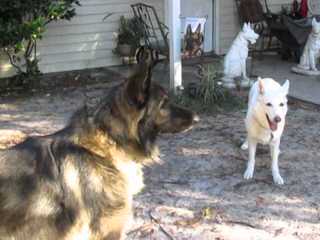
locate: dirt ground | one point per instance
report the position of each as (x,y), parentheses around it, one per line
(198,191)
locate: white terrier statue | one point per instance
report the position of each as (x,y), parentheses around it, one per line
(308,59)
(235,60)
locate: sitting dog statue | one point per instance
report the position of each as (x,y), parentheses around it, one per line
(308,59)
(235,59)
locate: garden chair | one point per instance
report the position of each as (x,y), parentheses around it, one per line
(251,11)
(155,32)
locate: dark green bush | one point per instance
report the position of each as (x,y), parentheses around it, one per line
(23,22)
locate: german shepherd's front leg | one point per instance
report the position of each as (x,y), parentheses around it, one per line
(114,227)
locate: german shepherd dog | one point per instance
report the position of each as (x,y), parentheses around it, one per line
(78,183)
(193,42)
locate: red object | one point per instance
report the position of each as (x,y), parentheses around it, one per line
(304,8)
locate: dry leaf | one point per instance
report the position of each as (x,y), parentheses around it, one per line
(208,213)
(278,232)
(190,222)
(260,201)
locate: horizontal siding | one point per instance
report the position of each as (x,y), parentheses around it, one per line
(76,38)
(275,5)
(87,40)
(81,64)
(76,47)
(67,30)
(78,56)
(229,20)
(229,24)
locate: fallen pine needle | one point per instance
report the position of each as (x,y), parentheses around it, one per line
(155,220)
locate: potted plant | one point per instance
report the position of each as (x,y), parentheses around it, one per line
(128,37)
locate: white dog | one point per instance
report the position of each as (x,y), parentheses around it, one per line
(310,53)
(267,109)
(235,59)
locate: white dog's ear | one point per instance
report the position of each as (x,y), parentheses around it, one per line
(261,87)
(285,87)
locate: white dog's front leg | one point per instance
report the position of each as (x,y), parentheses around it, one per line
(312,60)
(244,68)
(274,150)
(245,81)
(252,154)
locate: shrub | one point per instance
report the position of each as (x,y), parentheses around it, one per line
(210,90)
(207,94)
(130,32)
(22,23)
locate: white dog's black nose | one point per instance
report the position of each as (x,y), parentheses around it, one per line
(277,119)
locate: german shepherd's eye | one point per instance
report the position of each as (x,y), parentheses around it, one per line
(281,104)
(269,104)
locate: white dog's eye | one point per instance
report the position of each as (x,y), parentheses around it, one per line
(281,104)
(269,104)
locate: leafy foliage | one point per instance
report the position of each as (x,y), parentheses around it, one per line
(210,89)
(208,94)
(22,23)
(130,32)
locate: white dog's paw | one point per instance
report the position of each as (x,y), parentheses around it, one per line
(277,179)
(244,145)
(248,174)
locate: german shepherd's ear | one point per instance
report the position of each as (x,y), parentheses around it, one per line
(138,86)
(189,30)
(198,30)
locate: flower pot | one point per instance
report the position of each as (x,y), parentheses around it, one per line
(125,50)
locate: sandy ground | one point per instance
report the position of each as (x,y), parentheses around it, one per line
(198,191)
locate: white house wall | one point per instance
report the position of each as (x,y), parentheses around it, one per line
(228,24)
(86,41)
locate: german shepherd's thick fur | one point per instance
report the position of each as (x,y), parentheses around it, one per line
(79,182)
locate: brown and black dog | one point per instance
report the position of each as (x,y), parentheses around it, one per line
(193,42)
(79,182)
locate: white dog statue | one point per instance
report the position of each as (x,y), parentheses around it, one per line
(265,121)
(310,55)
(235,59)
